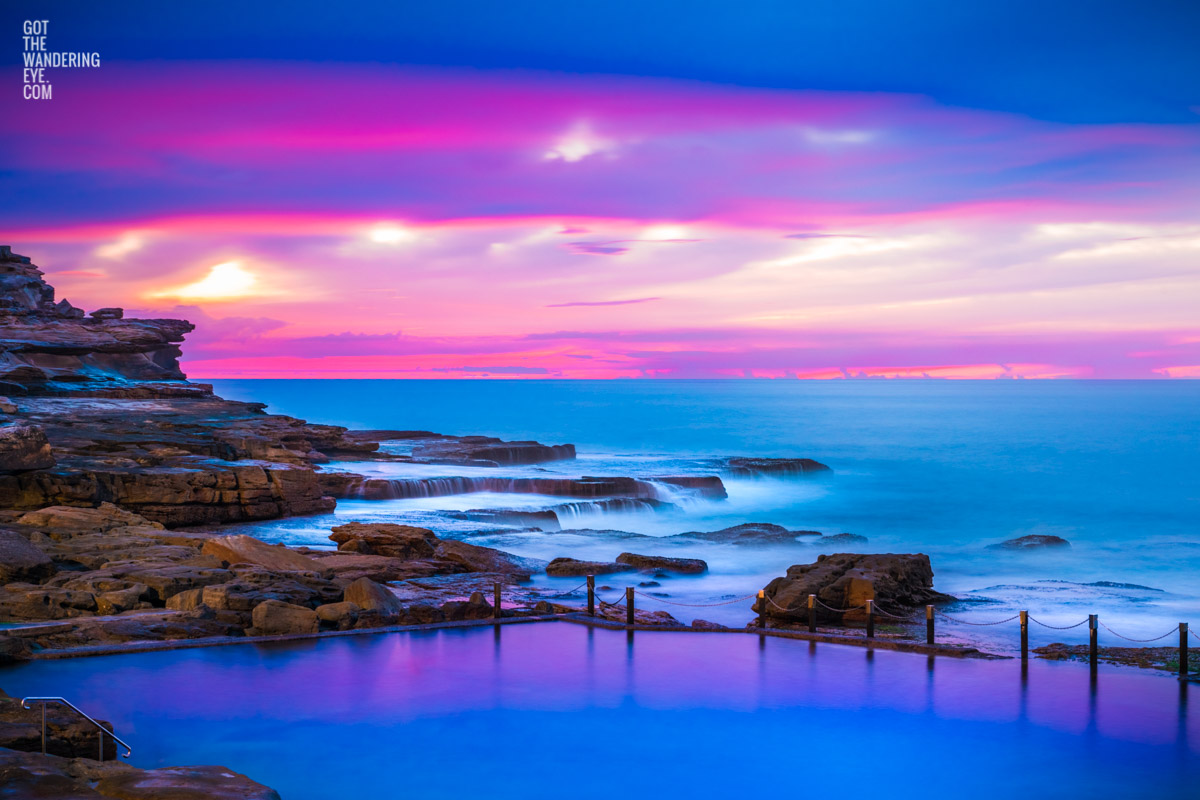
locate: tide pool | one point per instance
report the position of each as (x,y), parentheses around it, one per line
(549,710)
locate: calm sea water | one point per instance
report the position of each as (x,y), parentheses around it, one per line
(943,468)
(557,710)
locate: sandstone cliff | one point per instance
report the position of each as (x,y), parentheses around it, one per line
(49,347)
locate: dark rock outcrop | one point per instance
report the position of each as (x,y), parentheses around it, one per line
(439,556)
(20,561)
(1032,542)
(841,538)
(33,775)
(898,582)
(572,567)
(687,566)
(759,467)
(385,539)
(480,451)
(24,447)
(748,533)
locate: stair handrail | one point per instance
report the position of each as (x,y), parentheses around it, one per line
(103,730)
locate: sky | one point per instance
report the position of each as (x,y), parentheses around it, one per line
(623,190)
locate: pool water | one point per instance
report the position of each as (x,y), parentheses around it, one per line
(557,710)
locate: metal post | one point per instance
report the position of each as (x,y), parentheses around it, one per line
(928,624)
(762,608)
(629,605)
(102,744)
(1024,635)
(1093,635)
(812,613)
(1183,650)
(591,581)
(496,601)
(43,727)
(870,619)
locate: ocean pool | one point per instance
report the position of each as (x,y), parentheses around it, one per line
(550,710)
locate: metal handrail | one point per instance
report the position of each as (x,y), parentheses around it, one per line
(103,730)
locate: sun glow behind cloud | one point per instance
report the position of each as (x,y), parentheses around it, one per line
(226,281)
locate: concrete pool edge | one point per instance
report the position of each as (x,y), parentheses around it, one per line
(954,651)
(578,618)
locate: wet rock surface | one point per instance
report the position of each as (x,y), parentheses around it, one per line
(897,582)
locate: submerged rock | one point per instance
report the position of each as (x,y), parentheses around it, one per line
(843,581)
(688,566)
(1031,542)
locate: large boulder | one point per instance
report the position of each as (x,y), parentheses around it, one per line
(843,581)
(242,549)
(21,561)
(385,539)
(24,447)
(688,566)
(1034,541)
(253,585)
(573,567)
(276,618)
(341,616)
(370,596)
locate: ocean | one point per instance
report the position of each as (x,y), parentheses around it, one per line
(937,467)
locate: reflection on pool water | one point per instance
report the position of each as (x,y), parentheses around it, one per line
(554,710)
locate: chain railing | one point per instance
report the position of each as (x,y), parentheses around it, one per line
(872,610)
